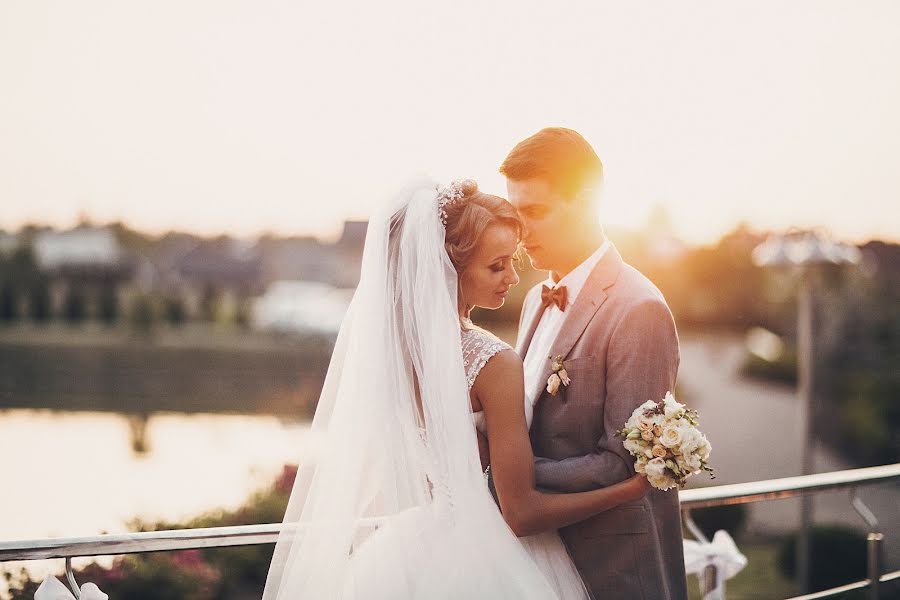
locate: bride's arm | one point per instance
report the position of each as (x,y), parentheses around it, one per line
(500,389)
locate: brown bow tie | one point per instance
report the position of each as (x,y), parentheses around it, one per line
(557,295)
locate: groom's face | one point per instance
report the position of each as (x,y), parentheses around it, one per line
(551,222)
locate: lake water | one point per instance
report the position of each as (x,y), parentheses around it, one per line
(74,474)
(68,474)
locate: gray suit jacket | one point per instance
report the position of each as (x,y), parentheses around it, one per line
(620,349)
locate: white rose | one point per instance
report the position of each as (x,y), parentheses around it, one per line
(647,405)
(671,406)
(689,463)
(691,439)
(656,474)
(633,446)
(704,448)
(634,419)
(553,384)
(655,468)
(671,436)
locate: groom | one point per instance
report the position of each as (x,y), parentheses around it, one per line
(617,340)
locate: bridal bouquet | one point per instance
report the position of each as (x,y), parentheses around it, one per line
(664,439)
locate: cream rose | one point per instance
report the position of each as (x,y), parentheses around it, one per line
(647,435)
(640,465)
(553,383)
(659,451)
(671,436)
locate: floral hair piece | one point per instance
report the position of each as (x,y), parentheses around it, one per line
(449,195)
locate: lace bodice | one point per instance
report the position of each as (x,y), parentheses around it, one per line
(478,346)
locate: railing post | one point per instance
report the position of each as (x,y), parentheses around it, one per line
(709,576)
(874,542)
(708,588)
(70,575)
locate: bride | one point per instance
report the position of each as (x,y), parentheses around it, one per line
(394,503)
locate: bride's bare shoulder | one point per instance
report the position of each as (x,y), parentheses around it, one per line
(502,372)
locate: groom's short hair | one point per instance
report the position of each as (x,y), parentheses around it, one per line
(557,155)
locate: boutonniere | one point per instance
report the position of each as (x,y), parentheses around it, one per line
(559,375)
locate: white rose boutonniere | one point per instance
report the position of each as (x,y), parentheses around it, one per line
(559,377)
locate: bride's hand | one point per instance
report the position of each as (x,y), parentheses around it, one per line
(639,485)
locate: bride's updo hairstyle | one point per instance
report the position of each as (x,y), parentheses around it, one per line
(467,219)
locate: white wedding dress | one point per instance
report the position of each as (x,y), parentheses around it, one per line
(391,503)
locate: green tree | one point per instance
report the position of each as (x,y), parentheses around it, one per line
(75,305)
(142,315)
(9,304)
(174,311)
(108,304)
(210,303)
(39,303)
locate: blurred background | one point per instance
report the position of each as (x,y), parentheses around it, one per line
(184,190)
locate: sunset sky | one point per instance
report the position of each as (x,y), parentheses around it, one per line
(243,117)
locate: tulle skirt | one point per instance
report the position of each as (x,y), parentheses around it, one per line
(422,553)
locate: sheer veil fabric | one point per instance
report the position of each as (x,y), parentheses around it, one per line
(393,504)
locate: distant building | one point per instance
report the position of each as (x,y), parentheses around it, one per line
(83,251)
(223,263)
(85,262)
(301,307)
(217,277)
(303,258)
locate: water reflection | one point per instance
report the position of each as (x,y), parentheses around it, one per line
(77,473)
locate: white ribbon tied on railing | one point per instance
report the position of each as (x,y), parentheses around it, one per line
(52,589)
(722,553)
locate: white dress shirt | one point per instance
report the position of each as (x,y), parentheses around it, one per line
(552,319)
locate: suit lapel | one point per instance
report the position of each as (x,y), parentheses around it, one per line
(588,302)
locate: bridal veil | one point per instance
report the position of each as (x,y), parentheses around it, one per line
(392,503)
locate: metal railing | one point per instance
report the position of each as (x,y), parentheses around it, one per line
(243,535)
(794,487)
